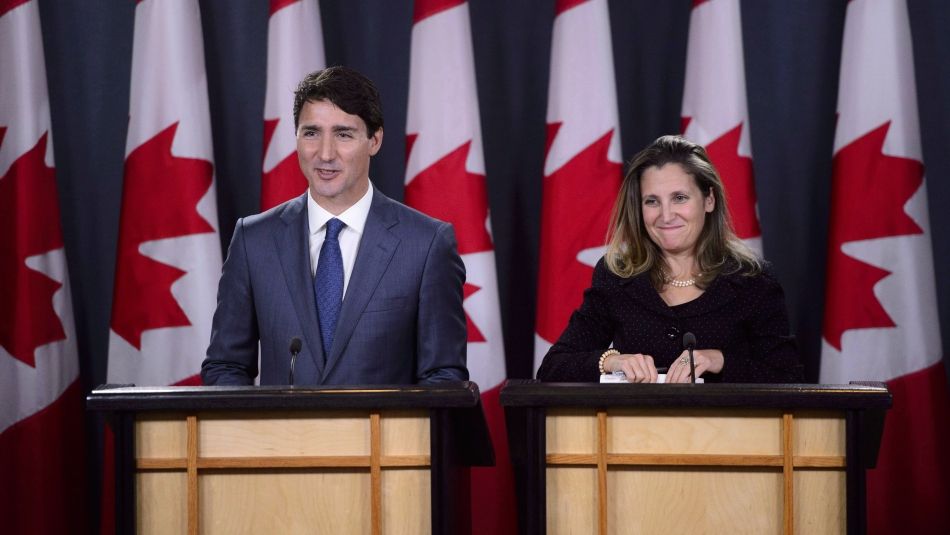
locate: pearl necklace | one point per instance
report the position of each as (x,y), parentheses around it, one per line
(681,284)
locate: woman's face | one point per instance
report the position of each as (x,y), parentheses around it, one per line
(674,209)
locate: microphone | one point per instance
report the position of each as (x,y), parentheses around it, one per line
(295,345)
(689,343)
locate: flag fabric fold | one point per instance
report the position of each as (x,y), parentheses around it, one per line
(881,320)
(445,178)
(715,112)
(294,49)
(41,414)
(169,253)
(582,167)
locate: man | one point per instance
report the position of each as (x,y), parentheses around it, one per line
(372,288)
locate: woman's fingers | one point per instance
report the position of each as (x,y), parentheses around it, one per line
(638,368)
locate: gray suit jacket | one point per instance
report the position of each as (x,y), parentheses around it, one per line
(401,322)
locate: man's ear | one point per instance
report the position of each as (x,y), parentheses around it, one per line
(376,141)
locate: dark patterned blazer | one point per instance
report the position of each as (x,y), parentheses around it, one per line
(742,316)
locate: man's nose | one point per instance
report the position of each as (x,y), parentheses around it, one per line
(326,151)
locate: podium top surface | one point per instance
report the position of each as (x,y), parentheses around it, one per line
(110,398)
(854,396)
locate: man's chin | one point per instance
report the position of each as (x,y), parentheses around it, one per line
(325,188)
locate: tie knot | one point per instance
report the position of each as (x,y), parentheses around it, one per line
(334,226)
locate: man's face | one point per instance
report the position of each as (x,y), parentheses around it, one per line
(334,152)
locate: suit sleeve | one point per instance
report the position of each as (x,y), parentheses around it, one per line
(576,354)
(232,354)
(442,334)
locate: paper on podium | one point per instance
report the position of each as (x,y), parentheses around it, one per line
(619,377)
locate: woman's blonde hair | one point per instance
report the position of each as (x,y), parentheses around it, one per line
(630,250)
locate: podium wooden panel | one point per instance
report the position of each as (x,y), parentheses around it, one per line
(710,458)
(370,459)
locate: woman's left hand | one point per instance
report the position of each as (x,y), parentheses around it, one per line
(710,360)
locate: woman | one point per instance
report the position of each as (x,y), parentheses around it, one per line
(674,265)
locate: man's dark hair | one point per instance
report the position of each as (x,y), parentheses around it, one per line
(347,89)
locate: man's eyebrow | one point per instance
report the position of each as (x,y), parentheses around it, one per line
(334,128)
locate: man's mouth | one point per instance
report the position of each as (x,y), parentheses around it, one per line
(327,174)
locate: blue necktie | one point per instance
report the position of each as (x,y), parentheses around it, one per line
(328,286)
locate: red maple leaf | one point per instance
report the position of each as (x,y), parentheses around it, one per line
(29,226)
(159,200)
(285,181)
(277,5)
(423,9)
(474,335)
(560,6)
(684,123)
(8,5)
(447,191)
(868,192)
(577,201)
(737,179)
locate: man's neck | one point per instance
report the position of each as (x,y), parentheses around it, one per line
(338,206)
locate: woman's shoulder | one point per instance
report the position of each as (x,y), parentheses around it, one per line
(604,277)
(750,277)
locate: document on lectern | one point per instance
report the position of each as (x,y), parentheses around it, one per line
(619,377)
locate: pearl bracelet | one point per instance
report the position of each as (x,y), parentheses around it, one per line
(603,358)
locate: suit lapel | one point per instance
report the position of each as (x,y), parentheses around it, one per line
(377,246)
(293,250)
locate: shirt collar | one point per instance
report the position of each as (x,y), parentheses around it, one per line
(353,217)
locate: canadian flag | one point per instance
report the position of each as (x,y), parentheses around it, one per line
(582,169)
(294,49)
(715,113)
(445,178)
(881,315)
(169,255)
(41,415)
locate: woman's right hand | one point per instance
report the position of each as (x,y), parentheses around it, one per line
(637,367)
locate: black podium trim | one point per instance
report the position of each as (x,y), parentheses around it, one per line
(194,398)
(533,393)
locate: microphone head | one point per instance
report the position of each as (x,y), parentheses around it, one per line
(689,341)
(295,345)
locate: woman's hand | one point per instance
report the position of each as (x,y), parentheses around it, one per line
(638,368)
(710,360)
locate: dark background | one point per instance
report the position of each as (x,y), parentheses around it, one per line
(792,53)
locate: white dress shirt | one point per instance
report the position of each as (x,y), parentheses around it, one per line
(353,217)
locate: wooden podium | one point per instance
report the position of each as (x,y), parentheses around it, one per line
(368,459)
(706,458)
